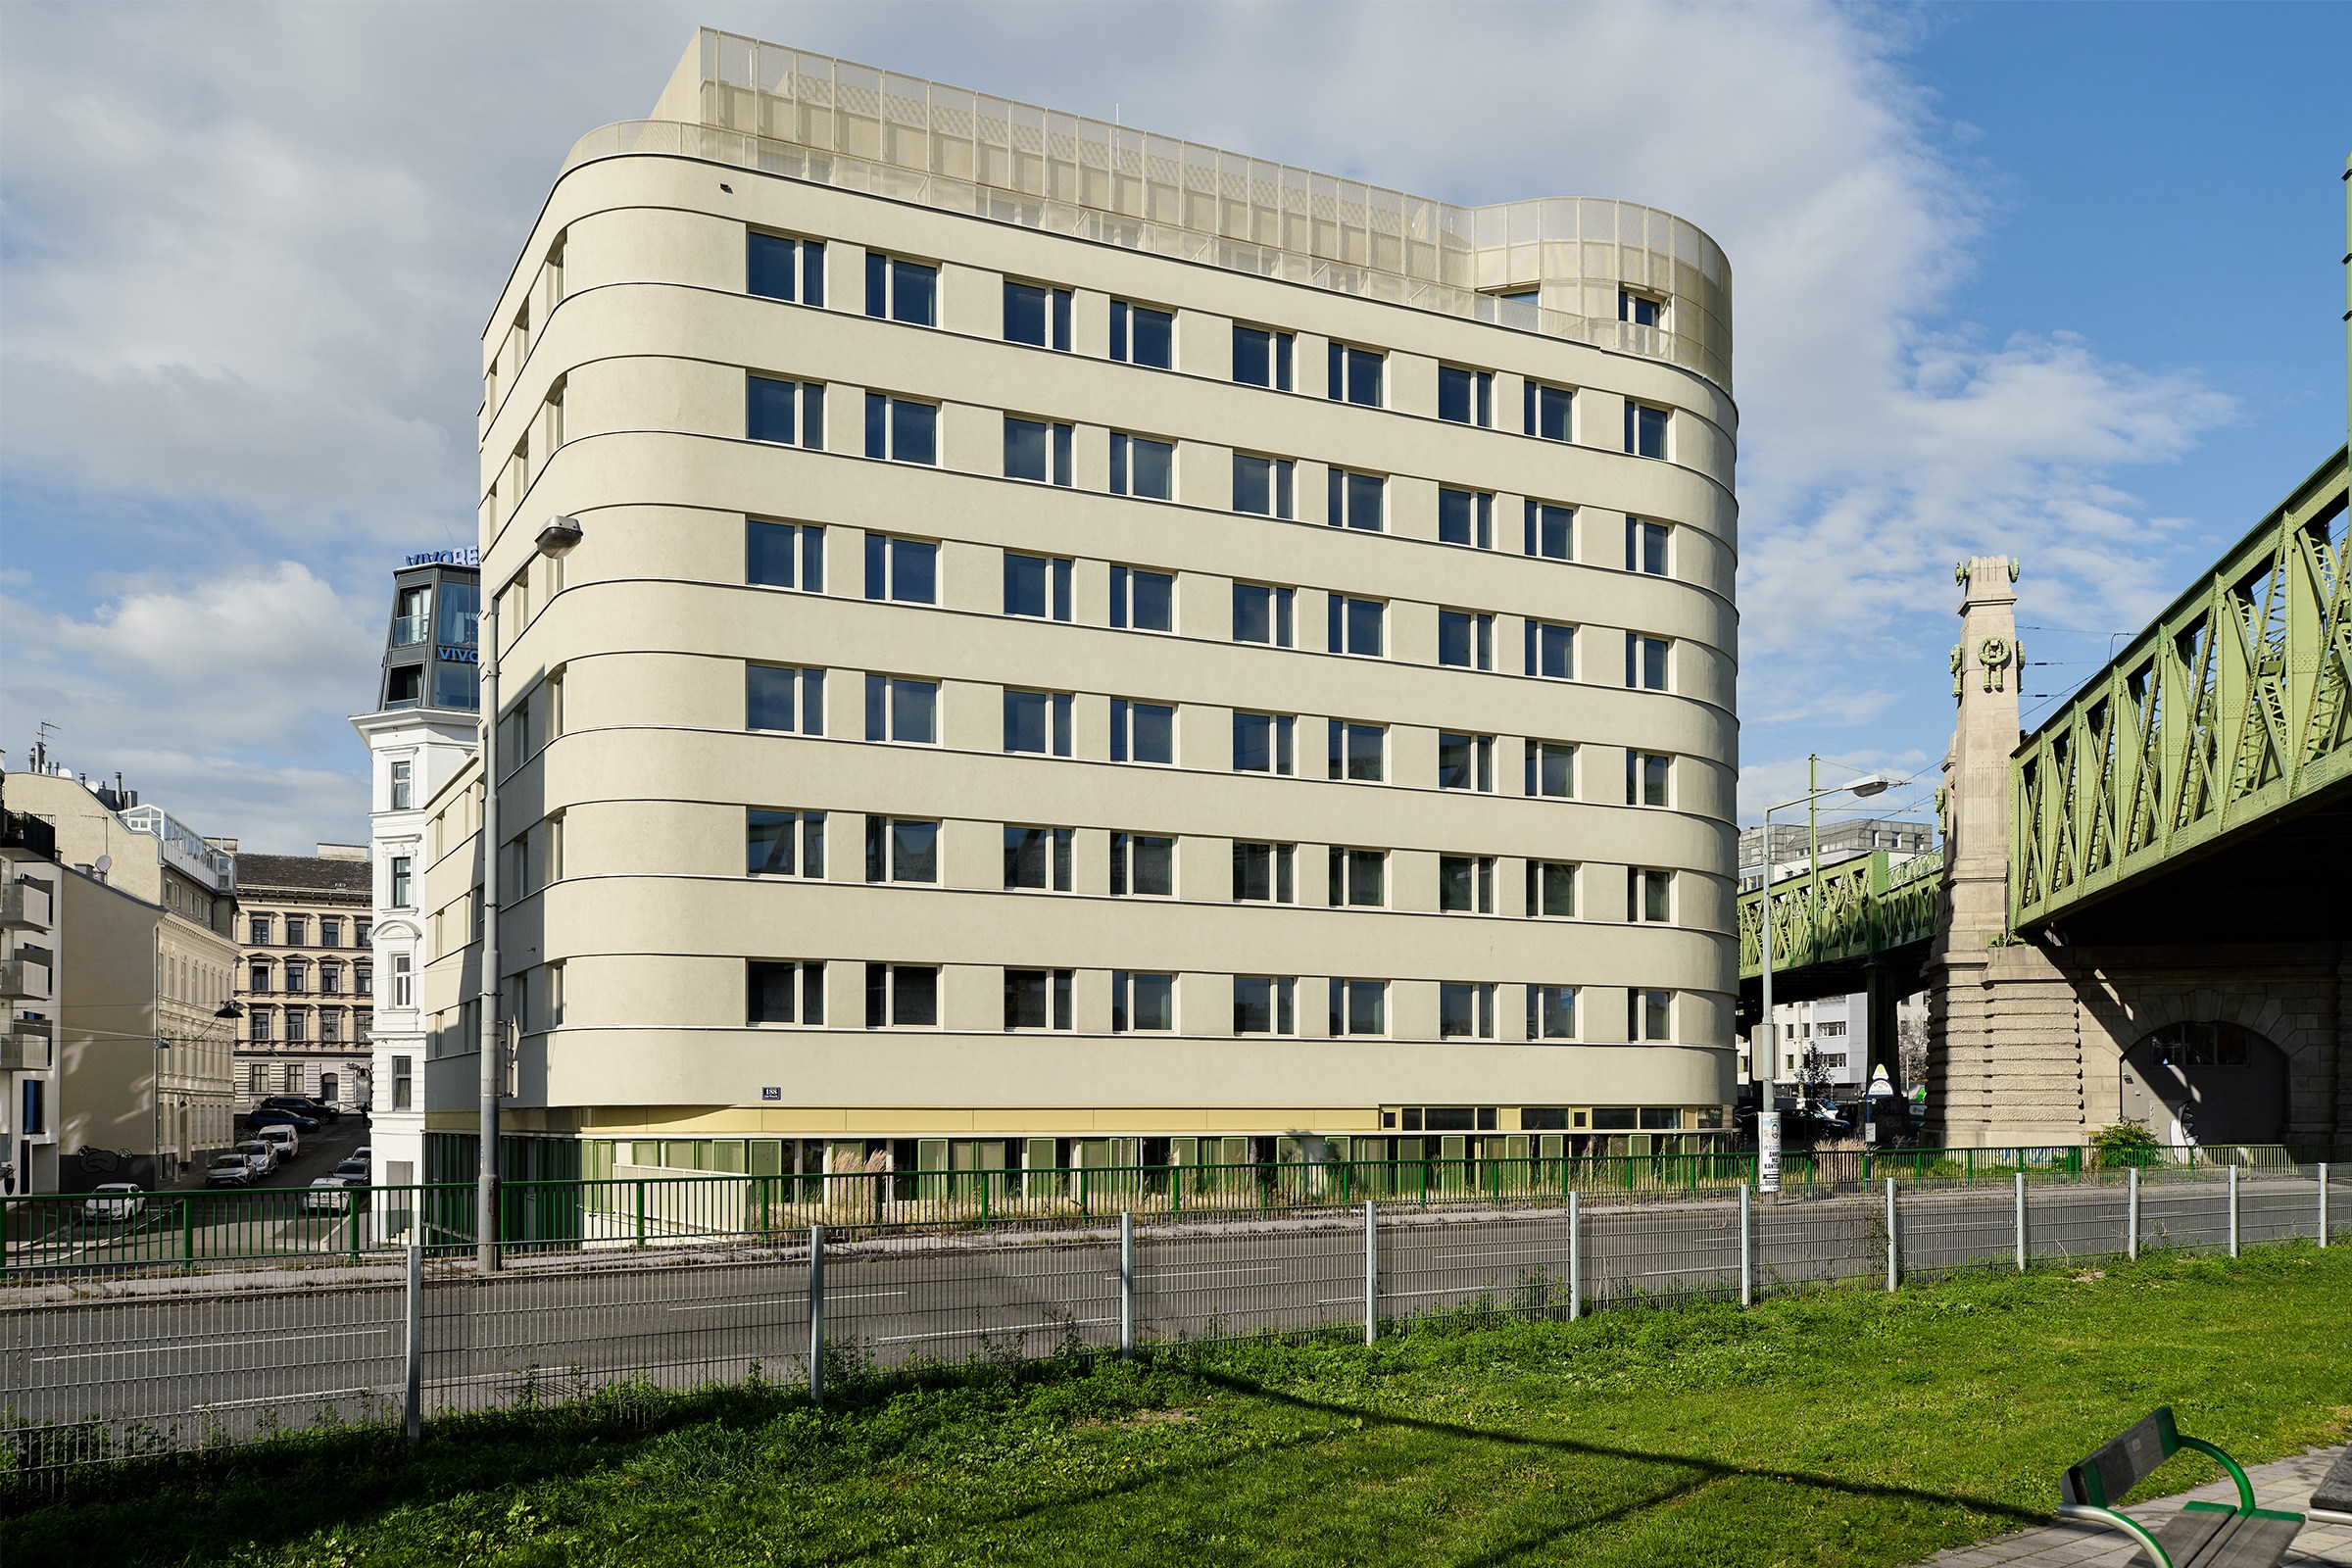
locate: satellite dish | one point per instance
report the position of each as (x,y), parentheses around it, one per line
(106,863)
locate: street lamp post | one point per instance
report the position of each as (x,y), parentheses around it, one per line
(1768,1113)
(557,539)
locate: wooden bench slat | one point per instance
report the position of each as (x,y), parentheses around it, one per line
(2188,1532)
(2109,1472)
(2248,1541)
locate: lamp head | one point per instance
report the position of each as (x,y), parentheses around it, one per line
(231,1009)
(1870,784)
(560,537)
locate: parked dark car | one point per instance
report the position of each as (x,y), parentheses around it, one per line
(270,1116)
(351,1170)
(302,1105)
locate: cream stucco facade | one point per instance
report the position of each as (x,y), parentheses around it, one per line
(1530,692)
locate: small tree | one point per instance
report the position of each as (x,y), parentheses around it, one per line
(2127,1142)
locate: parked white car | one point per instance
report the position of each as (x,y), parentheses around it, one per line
(114,1202)
(328,1195)
(262,1157)
(287,1140)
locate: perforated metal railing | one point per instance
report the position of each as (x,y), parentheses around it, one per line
(94,1370)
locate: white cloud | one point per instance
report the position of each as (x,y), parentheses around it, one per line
(251,252)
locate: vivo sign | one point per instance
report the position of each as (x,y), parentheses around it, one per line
(470,556)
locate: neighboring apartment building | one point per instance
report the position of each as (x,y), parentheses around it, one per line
(1088,647)
(306,976)
(143,1087)
(1793,845)
(32,951)
(426,726)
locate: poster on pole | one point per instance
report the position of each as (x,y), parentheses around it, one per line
(1768,1150)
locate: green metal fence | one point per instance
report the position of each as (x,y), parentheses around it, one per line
(67,1233)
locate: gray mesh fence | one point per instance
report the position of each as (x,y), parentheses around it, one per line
(93,1371)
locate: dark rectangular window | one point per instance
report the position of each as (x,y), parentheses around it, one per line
(902,709)
(400,881)
(1038,722)
(1466,518)
(1360,1007)
(1645,430)
(1142,1001)
(776,986)
(1261,614)
(1142,468)
(1551,530)
(1465,639)
(1261,358)
(1645,776)
(1265,1004)
(769,411)
(1639,309)
(1645,546)
(1141,335)
(1035,449)
(901,430)
(901,290)
(1649,895)
(1264,873)
(1038,316)
(779,267)
(784,843)
(784,555)
(1551,769)
(1547,412)
(1357,625)
(901,849)
(1037,585)
(1358,878)
(1466,762)
(1648,1015)
(900,996)
(905,570)
(1357,501)
(1550,888)
(1037,858)
(1355,375)
(1038,998)
(1466,397)
(1141,732)
(779,696)
(1143,863)
(1357,751)
(1142,600)
(1550,650)
(1264,485)
(1550,1015)
(1466,884)
(1263,743)
(1645,662)
(1465,1012)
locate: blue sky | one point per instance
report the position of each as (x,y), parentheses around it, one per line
(2060,280)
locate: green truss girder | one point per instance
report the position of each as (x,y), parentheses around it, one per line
(1855,909)
(2233,704)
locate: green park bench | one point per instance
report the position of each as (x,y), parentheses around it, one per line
(2202,1535)
(2333,1500)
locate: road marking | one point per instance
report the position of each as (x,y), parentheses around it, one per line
(787,1301)
(219,1345)
(1202,1273)
(1005,1328)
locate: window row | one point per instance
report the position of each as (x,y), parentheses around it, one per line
(906,290)
(295,1026)
(262,930)
(908,996)
(791,843)
(293,976)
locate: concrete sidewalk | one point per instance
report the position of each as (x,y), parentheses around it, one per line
(2286,1484)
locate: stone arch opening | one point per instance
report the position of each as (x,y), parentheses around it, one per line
(2207,1083)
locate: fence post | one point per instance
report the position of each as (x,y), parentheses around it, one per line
(816,1315)
(187,1220)
(412,1409)
(2232,1211)
(1126,1285)
(1892,1264)
(1576,1256)
(1748,1285)
(1371,1271)
(2021,1222)
(640,1211)
(2132,1214)
(2322,1205)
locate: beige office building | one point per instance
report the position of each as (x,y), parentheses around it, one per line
(1090,648)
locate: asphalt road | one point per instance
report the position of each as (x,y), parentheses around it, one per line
(287,1345)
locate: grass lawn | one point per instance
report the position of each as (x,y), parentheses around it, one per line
(1838,1427)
